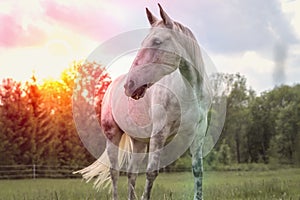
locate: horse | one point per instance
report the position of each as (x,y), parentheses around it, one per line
(156,111)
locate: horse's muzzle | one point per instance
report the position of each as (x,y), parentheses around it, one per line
(135,92)
(129,88)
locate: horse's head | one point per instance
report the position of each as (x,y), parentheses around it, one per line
(159,55)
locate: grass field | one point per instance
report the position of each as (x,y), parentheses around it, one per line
(279,184)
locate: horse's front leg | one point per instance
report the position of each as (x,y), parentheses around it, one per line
(157,141)
(138,149)
(114,134)
(112,152)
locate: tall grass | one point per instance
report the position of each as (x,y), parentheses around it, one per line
(279,184)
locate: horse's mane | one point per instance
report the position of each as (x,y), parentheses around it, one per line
(180,28)
(185,30)
(196,56)
(192,46)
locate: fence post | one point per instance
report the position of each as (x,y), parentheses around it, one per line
(34,171)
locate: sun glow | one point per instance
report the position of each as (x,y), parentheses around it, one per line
(45,61)
(58,47)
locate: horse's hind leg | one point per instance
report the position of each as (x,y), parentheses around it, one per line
(139,149)
(113,134)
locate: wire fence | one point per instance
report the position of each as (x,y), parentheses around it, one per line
(48,171)
(37,171)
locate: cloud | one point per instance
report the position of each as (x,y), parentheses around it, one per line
(91,21)
(13,33)
(234,26)
(252,64)
(221,26)
(9,30)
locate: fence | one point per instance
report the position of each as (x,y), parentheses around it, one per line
(48,171)
(37,171)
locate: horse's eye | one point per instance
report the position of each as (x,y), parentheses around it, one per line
(157,41)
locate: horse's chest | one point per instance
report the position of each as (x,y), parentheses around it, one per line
(163,106)
(132,116)
(139,118)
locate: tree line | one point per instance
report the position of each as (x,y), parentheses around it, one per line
(261,128)
(37,126)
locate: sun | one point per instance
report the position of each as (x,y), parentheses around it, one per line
(56,56)
(58,47)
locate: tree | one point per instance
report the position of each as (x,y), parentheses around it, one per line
(41,133)
(90,86)
(16,123)
(37,126)
(286,114)
(261,129)
(237,115)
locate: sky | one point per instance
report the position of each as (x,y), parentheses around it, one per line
(258,39)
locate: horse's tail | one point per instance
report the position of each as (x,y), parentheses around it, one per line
(100,169)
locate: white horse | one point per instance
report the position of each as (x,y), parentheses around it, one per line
(158,109)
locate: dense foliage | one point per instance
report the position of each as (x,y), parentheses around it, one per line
(261,128)
(37,127)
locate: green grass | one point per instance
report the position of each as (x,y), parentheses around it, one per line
(279,184)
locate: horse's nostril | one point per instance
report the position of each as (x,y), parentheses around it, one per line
(130,84)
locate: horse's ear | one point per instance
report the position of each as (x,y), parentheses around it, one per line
(151,18)
(166,19)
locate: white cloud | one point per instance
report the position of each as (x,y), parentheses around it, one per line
(256,68)
(240,35)
(5,7)
(291,8)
